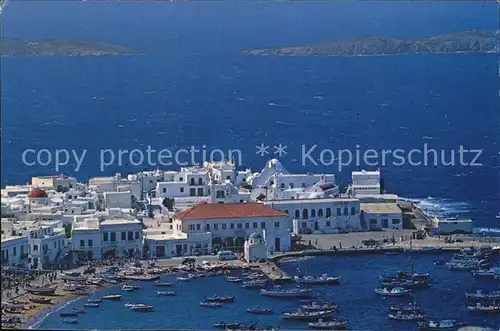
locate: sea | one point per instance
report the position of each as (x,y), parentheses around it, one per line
(194,88)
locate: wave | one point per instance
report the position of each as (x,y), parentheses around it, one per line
(273,104)
(441,207)
(36,320)
(298,259)
(286,123)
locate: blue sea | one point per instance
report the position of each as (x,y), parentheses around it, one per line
(196,88)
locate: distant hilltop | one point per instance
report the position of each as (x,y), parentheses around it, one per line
(61,47)
(473,41)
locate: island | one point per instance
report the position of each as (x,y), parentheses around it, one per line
(61,47)
(473,41)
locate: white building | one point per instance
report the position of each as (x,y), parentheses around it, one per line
(365,183)
(331,215)
(118,199)
(14,250)
(255,248)
(382,215)
(60,183)
(227,192)
(189,182)
(116,183)
(451,225)
(231,224)
(46,248)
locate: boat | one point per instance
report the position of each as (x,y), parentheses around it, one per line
(142,308)
(328,325)
(410,308)
(163,284)
(235,280)
(220,299)
(394,292)
(319,306)
(443,325)
(112,297)
(68,314)
(260,311)
(222,325)
(94,300)
(171,294)
(407,283)
(73,276)
(291,293)
(439,262)
(479,294)
(70,321)
(402,316)
(43,300)
(308,315)
(43,290)
(255,284)
(128,288)
(322,280)
(92,305)
(427,249)
(130,305)
(210,304)
(480,308)
(484,273)
(183,279)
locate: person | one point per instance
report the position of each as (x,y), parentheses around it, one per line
(340,245)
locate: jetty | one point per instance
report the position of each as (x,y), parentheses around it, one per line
(274,273)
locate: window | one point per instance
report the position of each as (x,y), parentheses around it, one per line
(320,212)
(124,235)
(346,211)
(192,192)
(385,223)
(14,252)
(198,227)
(247,225)
(240,226)
(207,227)
(328,212)
(373,221)
(255,225)
(55,244)
(164,190)
(90,244)
(82,243)
(305,214)
(182,189)
(282,185)
(262,225)
(216,226)
(231,226)
(276,225)
(200,191)
(328,224)
(286,211)
(181,179)
(192,181)
(303,185)
(228,177)
(136,234)
(339,212)
(291,185)
(113,236)
(130,235)
(353,211)
(105,236)
(223,226)
(395,221)
(297,214)
(313,212)
(200,181)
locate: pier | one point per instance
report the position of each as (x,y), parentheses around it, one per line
(271,270)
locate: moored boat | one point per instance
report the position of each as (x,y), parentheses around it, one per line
(480,308)
(128,288)
(260,311)
(319,306)
(92,305)
(412,307)
(479,294)
(94,300)
(220,299)
(394,292)
(321,280)
(222,325)
(210,304)
(70,321)
(308,315)
(255,284)
(328,325)
(43,290)
(290,293)
(163,284)
(42,300)
(112,297)
(401,316)
(171,294)
(68,314)
(443,325)
(142,308)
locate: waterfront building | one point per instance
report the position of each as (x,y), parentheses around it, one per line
(189,182)
(165,242)
(255,248)
(365,183)
(450,225)
(14,249)
(230,224)
(59,183)
(329,215)
(381,215)
(116,183)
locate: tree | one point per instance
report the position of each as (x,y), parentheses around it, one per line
(168,203)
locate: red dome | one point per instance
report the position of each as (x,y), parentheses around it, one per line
(37,193)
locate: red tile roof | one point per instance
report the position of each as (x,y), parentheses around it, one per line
(228,210)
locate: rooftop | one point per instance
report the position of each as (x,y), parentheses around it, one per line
(380,207)
(229,210)
(323,200)
(119,221)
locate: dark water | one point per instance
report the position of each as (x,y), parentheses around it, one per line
(356,298)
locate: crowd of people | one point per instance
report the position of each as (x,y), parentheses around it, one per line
(13,280)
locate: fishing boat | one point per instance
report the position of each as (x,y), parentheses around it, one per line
(486,273)
(222,325)
(319,306)
(142,308)
(43,290)
(42,300)
(73,276)
(92,305)
(171,294)
(308,315)
(255,284)
(406,317)
(220,299)
(394,292)
(163,284)
(322,280)
(290,293)
(260,311)
(70,321)
(184,279)
(443,325)
(112,297)
(130,305)
(480,294)
(480,308)
(128,288)
(328,325)
(410,308)
(210,304)
(94,300)
(68,314)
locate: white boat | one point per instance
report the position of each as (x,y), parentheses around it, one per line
(328,325)
(308,315)
(128,288)
(112,297)
(129,305)
(290,293)
(394,292)
(319,306)
(480,308)
(183,279)
(210,304)
(324,279)
(73,276)
(401,316)
(171,294)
